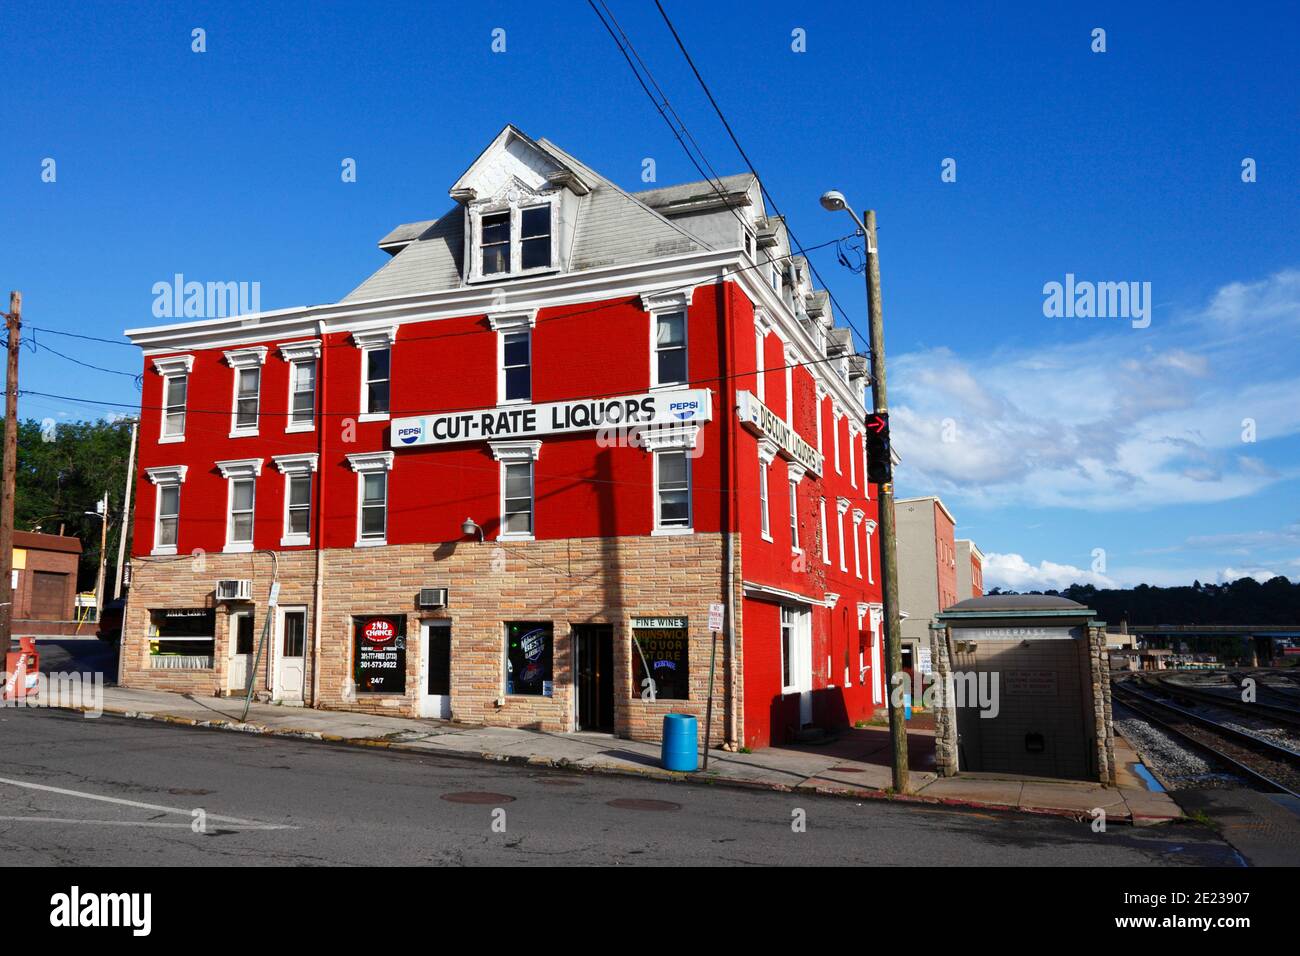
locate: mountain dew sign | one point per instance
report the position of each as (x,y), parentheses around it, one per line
(762,421)
(687,406)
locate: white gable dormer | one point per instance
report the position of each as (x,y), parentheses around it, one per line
(520,203)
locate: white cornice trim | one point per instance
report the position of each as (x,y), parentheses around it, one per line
(297,351)
(167,474)
(766,591)
(671,301)
(174,364)
(858,515)
(246,358)
(375,338)
(832,598)
(796,470)
(870,526)
(371,461)
(767,450)
(842,505)
(295,464)
(515,450)
(670,438)
(240,468)
(512,321)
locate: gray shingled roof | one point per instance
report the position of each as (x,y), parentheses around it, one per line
(612,228)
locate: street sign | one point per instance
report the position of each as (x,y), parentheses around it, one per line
(880,467)
(716,612)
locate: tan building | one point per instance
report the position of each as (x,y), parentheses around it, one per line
(927,572)
(970,569)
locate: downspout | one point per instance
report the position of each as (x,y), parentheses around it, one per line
(319,585)
(727,393)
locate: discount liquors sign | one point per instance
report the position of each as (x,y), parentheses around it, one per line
(676,407)
(762,421)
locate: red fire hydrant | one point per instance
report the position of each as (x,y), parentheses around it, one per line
(22,668)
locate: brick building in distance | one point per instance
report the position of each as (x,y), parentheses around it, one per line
(503,480)
(970,569)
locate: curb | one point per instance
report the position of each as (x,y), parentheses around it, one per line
(650,773)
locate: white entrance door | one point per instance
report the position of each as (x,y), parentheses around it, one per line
(435,669)
(290,655)
(240,640)
(796,654)
(805,676)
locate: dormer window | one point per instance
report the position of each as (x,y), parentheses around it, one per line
(513,241)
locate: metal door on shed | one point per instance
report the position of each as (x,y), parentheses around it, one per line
(1038,694)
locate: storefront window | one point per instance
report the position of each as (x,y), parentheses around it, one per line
(182,637)
(380,651)
(663,645)
(529,652)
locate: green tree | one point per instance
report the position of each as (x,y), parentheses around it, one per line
(63,471)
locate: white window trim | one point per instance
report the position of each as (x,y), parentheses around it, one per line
(821,399)
(796,473)
(368,341)
(871,529)
(364,463)
(175,366)
(666,303)
(235,470)
(853,459)
(515,209)
(767,451)
(836,414)
(841,507)
(689,528)
(166,476)
(671,437)
(858,515)
(504,324)
(826,544)
(289,466)
(762,326)
(791,359)
(514,453)
(295,353)
(238,360)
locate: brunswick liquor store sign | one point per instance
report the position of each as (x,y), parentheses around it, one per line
(676,407)
(762,421)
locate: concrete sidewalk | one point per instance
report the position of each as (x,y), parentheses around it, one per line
(854,764)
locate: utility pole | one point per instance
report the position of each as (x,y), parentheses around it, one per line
(126,512)
(878,423)
(9,480)
(888,536)
(102,508)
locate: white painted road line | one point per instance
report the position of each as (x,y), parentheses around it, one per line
(184,811)
(144,823)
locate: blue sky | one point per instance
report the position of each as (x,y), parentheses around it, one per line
(1050,438)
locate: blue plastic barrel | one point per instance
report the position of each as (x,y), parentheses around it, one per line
(680,749)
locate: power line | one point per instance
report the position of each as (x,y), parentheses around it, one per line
(770,198)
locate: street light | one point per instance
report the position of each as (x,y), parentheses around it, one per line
(833,201)
(470,526)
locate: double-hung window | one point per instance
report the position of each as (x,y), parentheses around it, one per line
(376,371)
(826,544)
(764,521)
(857,547)
(853,460)
(516,366)
(167,508)
(669,348)
(175,372)
(372,470)
(842,506)
(535,237)
(495,243)
(672,491)
(297,471)
(302,358)
(796,475)
(517,492)
(241,495)
(247,364)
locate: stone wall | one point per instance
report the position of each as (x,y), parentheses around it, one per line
(566,582)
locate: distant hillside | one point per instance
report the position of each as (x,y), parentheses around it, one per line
(1244,601)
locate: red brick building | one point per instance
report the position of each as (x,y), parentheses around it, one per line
(45,592)
(586,414)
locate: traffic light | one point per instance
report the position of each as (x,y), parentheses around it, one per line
(880,467)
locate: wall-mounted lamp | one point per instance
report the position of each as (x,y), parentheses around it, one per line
(470,526)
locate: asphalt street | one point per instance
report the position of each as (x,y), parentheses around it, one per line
(113,791)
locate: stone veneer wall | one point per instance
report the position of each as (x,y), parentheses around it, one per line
(1103,719)
(566,581)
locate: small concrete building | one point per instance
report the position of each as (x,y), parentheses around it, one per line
(45,583)
(1030,688)
(927,573)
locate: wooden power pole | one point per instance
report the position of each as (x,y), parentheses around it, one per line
(8,481)
(888,535)
(126,512)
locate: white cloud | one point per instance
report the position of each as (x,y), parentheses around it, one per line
(1124,419)
(1011,572)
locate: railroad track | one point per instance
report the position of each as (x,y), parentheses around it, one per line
(1163,683)
(1271,765)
